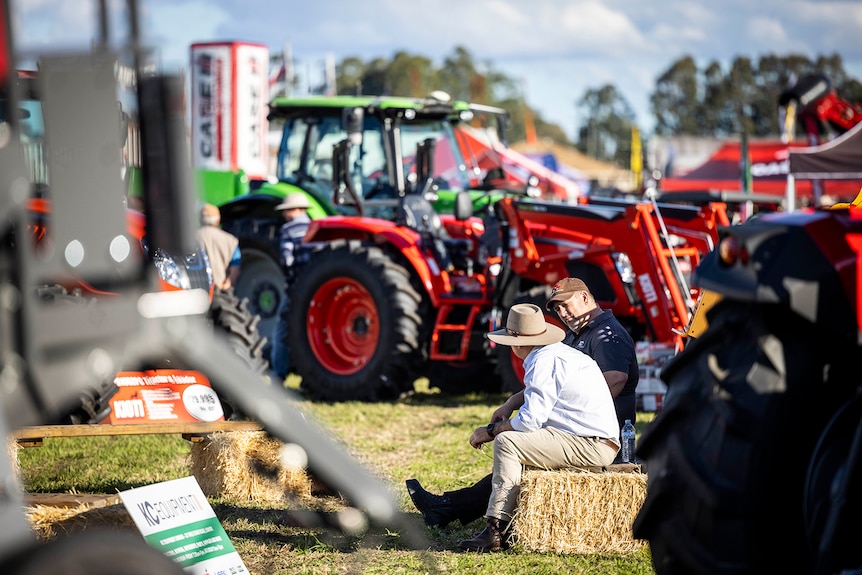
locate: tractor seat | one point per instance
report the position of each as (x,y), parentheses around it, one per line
(420,215)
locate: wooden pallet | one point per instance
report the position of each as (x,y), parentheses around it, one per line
(34,435)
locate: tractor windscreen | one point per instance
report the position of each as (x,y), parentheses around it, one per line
(32,136)
(306,154)
(31,129)
(450,171)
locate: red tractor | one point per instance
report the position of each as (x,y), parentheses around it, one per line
(815,104)
(754,459)
(760,428)
(227,313)
(381,303)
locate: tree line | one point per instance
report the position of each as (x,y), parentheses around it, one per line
(709,101)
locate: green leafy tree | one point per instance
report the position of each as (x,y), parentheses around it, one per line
(606,135)
(349,76)
(743,99)
(675,100)
(410,75)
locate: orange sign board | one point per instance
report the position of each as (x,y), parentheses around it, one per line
(163,395)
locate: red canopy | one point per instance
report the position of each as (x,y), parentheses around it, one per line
(770,165)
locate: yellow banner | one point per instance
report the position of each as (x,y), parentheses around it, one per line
(637,157)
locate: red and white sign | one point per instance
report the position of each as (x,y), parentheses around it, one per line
(163,395)
(230,93)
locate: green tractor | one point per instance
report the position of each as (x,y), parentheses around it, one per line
(385,134)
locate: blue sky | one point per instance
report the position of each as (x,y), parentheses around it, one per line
(556,48)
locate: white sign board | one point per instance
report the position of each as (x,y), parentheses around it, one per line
(229,94)
(176,518)
(252,98)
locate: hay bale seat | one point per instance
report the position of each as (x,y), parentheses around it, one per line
(580,510)
(245,466)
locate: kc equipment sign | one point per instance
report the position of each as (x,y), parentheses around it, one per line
(230,93)
(176,518)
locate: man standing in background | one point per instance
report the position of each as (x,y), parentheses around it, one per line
(221,247)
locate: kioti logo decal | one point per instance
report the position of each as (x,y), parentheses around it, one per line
(647,288)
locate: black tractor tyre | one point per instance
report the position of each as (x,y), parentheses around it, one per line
(92,404)
(354,325)
(463,377)
(97,552)
(262,282)
(231,317)
(510,380)
(727,455)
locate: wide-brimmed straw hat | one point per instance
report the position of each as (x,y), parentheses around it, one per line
(526,325)
(293,201)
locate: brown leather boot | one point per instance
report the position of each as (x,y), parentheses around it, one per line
(492,538)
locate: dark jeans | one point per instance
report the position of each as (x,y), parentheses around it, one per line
(279,357)
(471,502)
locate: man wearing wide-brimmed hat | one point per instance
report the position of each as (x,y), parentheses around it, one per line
(567,418)
(294,210)
(592,330)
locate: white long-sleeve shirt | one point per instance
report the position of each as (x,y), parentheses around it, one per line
(565,389)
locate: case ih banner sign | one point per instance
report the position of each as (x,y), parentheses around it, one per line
(230,91)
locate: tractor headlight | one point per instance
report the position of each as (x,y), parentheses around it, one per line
(169,270)
(624,267)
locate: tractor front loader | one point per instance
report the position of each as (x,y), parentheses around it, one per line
(383,302)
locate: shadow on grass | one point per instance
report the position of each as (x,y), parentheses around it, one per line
(316,530)
(451,400)
(422,394)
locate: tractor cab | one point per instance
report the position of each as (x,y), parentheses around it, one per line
(377,139)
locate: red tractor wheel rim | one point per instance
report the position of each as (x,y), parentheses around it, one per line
(343,326)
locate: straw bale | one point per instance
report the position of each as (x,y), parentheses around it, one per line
(49,521)
(576,511)
(245,466)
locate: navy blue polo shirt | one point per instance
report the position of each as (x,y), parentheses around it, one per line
(607,341)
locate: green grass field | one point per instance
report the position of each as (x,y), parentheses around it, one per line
(423,436)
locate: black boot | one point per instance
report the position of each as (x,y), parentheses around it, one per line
(436,509)
(491,538)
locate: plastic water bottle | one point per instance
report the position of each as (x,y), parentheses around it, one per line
(628,440)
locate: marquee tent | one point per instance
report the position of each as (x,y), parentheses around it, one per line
(838,159)
(770,166)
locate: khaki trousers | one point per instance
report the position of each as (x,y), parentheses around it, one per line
(546,448)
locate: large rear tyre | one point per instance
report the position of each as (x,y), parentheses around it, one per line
(460,377)
(234,320)
(510,368)
(231,317)
(728,454)
(261,282)
(354,325)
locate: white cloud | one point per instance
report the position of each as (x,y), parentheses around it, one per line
(559,47)
(174,27)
